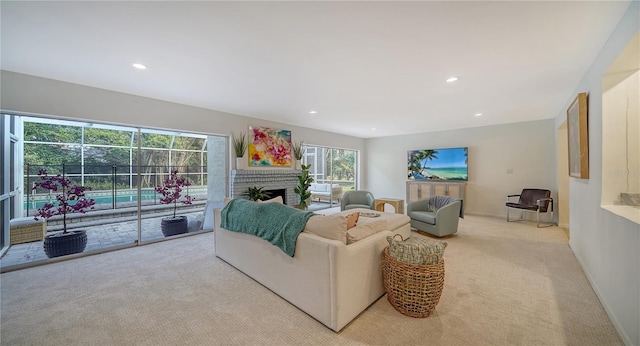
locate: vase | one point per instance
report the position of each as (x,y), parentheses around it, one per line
(61,244)
(241,162)
(174,225)
(298,164)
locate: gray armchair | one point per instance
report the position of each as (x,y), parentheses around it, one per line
(437,215)
(357,199)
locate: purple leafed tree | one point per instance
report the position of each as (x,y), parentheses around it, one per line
(70,199)
(171,190)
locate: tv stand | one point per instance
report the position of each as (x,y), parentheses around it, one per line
(421,189)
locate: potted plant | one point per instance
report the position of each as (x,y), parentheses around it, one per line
(304,182)
(256,193)
(171,191)
(240,145)
(70,199)
(298,152)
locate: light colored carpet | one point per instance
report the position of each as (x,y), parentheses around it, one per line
(506,284)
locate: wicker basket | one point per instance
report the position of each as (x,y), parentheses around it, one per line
(412,289)
(25,232)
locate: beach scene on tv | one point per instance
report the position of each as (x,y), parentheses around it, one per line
(437,164)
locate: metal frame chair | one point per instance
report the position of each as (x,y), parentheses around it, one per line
(533,201)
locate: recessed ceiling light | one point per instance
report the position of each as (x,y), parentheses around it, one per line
(478,114)
(139,66)
(373,129)
(313,112)
(452,79)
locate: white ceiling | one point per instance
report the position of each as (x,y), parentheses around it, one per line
(360,64)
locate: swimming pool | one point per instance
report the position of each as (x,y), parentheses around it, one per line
(106,197)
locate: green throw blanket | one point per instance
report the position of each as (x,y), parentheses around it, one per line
(274,222)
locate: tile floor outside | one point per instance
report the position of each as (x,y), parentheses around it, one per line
(98,237)
(109,235)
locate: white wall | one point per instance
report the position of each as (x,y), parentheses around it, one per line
(606,245)
(621,145)
(503,159)
(562,172)
(25,93)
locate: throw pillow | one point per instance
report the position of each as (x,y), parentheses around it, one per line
(416,250)
(272,200)
(328,226)
(364,230)
(352,220)
(194,224)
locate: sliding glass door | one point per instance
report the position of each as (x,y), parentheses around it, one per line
(334,166)
(176,164)
(9,184)
(126,169)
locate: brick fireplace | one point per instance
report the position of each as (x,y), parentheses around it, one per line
(275,179)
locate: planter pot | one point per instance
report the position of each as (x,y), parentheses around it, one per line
(241,162)
(61,244)
(174,225)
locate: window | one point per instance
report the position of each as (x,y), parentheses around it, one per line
(332,166)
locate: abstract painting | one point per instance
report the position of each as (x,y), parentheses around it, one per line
(269,147)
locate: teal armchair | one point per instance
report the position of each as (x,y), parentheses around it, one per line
(437,215)
(357,199)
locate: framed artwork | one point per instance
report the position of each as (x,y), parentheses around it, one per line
(269,147)
(578,135)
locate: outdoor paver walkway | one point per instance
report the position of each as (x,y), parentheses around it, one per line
(98,237)
(102,237)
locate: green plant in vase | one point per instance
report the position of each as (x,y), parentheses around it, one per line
(240,146)
(239,143)
(256,193)
(298,152)
(304,183)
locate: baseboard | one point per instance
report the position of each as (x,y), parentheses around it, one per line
(625,338)
(485,214)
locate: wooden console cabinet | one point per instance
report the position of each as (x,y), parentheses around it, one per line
(421,189)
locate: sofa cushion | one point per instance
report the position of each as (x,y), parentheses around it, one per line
(352,220)
(328,226)
(319,188)
(424,216)
(354,206)
(393,220)
(194,224)
(416,250)
(364,230)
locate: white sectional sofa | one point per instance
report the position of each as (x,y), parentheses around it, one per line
(331,281)
(325,191)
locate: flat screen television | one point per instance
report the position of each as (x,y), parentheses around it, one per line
(438,164)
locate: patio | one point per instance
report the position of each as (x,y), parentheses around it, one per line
(120,231)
